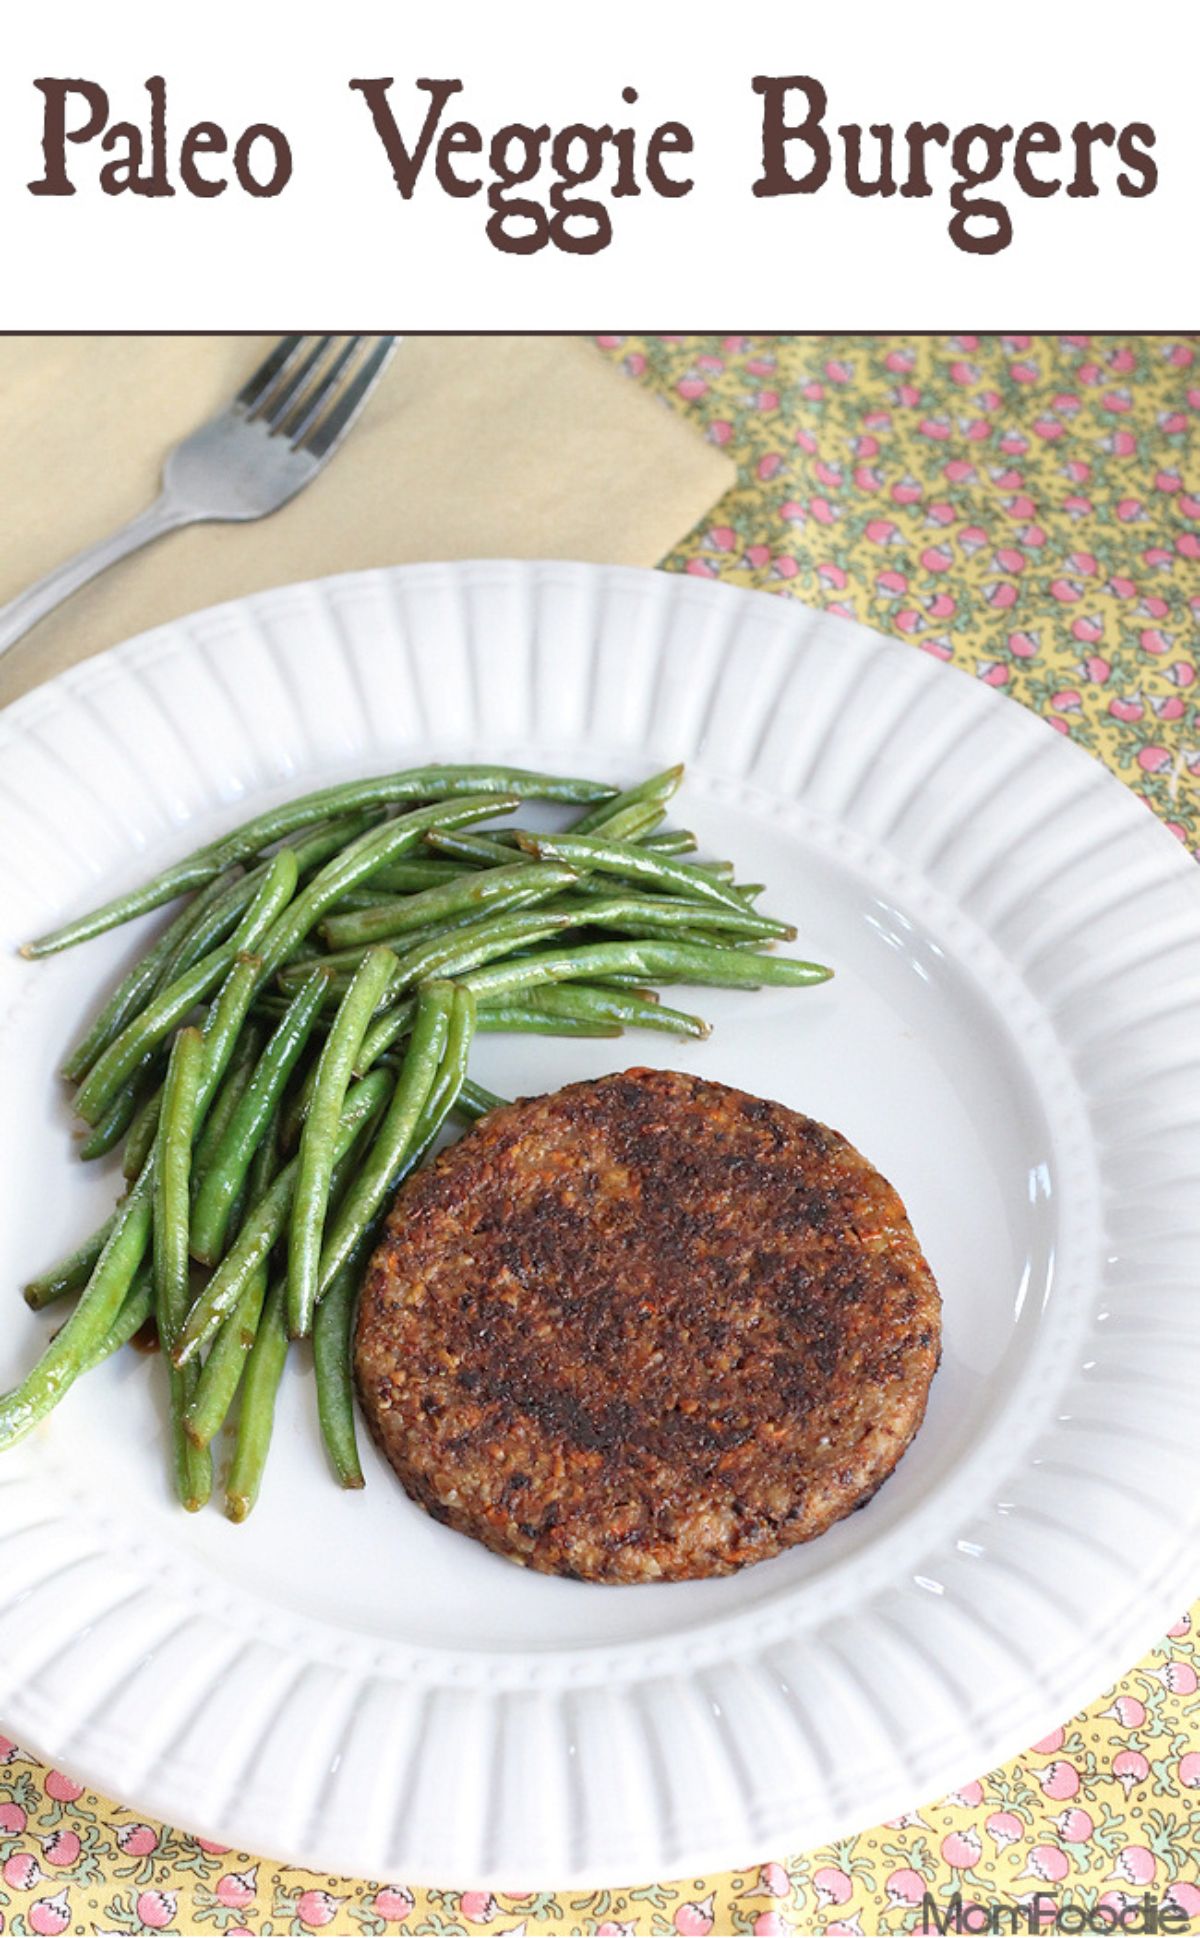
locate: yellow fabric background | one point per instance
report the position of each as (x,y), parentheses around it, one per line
(496,447)
(1029,508)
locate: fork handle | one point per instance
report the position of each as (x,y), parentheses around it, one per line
(43,595)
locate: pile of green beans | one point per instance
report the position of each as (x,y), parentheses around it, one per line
(293,1043)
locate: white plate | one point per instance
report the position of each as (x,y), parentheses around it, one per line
(1013,1037)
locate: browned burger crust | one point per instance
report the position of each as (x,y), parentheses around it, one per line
(646,1328)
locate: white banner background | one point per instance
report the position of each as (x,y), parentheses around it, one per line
(340,247)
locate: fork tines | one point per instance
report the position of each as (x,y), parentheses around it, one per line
(309,390)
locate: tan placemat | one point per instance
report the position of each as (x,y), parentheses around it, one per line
(522,447)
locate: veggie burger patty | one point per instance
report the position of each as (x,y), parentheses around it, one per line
(646,1328)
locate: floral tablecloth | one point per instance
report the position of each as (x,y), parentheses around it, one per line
(1030,508)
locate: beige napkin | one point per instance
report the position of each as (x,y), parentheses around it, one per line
(520,447)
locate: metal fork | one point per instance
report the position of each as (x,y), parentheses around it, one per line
(247,461)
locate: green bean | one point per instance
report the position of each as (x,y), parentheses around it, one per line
(223,914)
(242,1064)
(633,822)
(116,1120)
(269,1005)
(221,1372)
(407,878)
(384,1031)
(447,1087)
(474,1101)
(586,1000)
(488,888)
(258,1180)
(481,849)
(392,1024)
(340,964)
(636,914)
(317,1140)
(138,1306)
(636,985)
(142,1132)
(313,848)
(71,1272)
(426,1049)
(191,1465)
(248,1122)
(332,1332)
(358,862)
(265,1224)
(265,1162)
(673,841)
(121,1059)
(496,848)
(369,897)
(700,935)
(705,937)
(604,888)
(450,955)
(273,896)
(721,968)
(238,900)
(215,914)
(472,945)
(431,783)
(321,842)
(311,851)
(237,1211)
(453,1070)
(514,1018)
(296,1102)
(126,1001)
(721,871)
(264,1370)
(505,839)
(71,1350)
(609,979)
(271,1343)
(476,943)
(172,1175)
(135,989)
(657,789)
(626,859)
(161,1016)
(223,1026)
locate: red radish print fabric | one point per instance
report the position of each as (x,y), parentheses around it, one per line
(1028,507)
